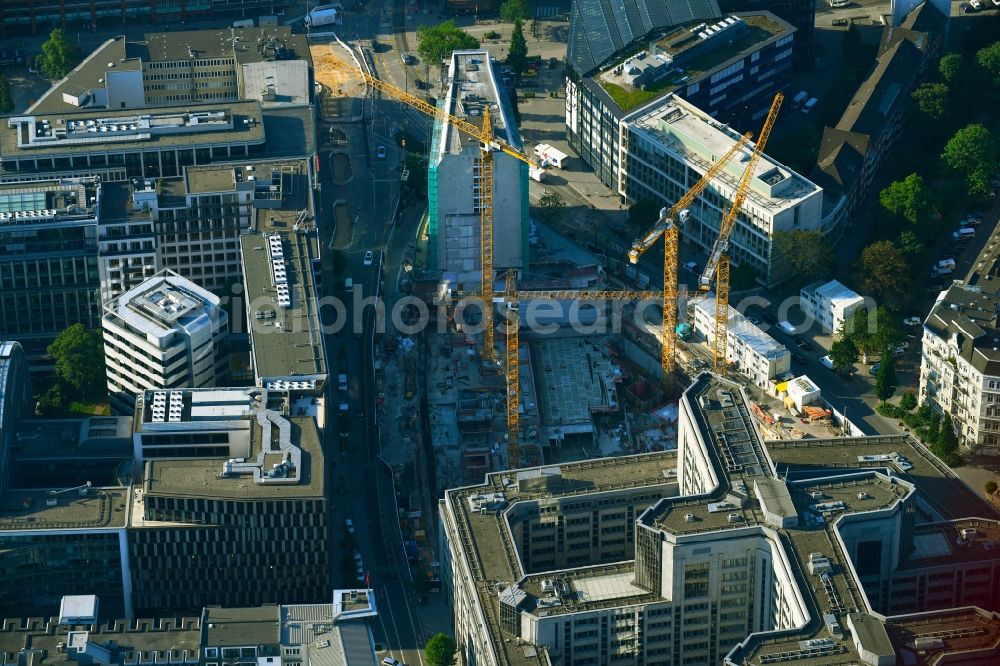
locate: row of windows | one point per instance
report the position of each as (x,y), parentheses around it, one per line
(187,64)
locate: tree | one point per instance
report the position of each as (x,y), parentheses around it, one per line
(58,56)
(79,360)
(438,41)
(51,402)
(946,446)
(440,650)
(553,207)
(807,255)
(950,67)
(932,100)
(990,487)
(885,273)
(910,243)
(843,353)
(6,100)
(934,429)
(517,54)
(909,198)
(512,11)
(989,59)
(742,277)
(885,379)
(644,213)
(972,153)
(908,401)
(872,336)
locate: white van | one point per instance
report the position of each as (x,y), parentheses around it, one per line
(810,105)
(786,327)
(800,97)
(965,233)
(839,3)
(827,362)
(349,285)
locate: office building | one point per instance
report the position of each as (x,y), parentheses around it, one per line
(259,455)
(749,350)
(960,363)
(15,399)
(800,13)
(729,66)
(48,264)
(728,551)
(166,333)
(38,15)
(323,634)
(269,65)
(454,182)
(281,262)
(830,304)
(669,145)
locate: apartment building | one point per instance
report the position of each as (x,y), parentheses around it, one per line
(14,399)
(38,15)
(749,350)
(960,364)
(48,265)
(728,550)
(669,145)
(454,177)
(166,333)
(295,634)
(830,304)
(730,66)
(852,151)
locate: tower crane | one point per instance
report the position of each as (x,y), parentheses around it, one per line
(489,144)
(717,265)
(667,226)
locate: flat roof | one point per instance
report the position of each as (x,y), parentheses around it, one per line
(51,202)
(203,477)
(154,127)
(927,636)
(162,304)
(100,508)
(964,540)
(752,336)
(242,627)
(576,378)
(701,141)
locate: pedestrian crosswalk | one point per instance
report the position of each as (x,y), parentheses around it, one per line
(545,11)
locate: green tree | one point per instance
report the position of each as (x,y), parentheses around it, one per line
(59,55)
(843,353)
(950,67)
(873,334)
(553,207)
(440,650)
(990,487)
(51,402)
(885,378)
(79,361)
(989,59)
(6,100)
(908,401)
(512,11)
(742,277)
(931,100)
(885,273)
(934,429)
(909,198)
(806,255)
(517,54)
(910,243)
(946,446)
(972,154)
(438,41)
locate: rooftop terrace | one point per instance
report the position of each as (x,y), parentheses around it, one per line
(49,203)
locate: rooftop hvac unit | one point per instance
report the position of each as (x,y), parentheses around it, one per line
(689,517)
(816,494)
(735,518)
(863,495)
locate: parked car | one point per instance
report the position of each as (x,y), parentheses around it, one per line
(349,526)
(389,661)
(380,153)
(874,369)
(798,358)
(827,362)
(369,256)
(912,321)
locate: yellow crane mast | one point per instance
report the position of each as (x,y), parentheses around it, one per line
(324,64)
(718,260)
(667,226)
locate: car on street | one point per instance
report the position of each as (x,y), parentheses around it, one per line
(874,369)
(827,362)
(911,321)
(409,59)
(802,344)
(380,153)
(389,661)
(369,256)
(349,526)
(901,348)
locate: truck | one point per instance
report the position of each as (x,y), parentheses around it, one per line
(536,173)
(325,15)
(550,156)
(684,331)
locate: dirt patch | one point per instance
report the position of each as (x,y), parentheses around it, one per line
(340,166)
(345,225)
